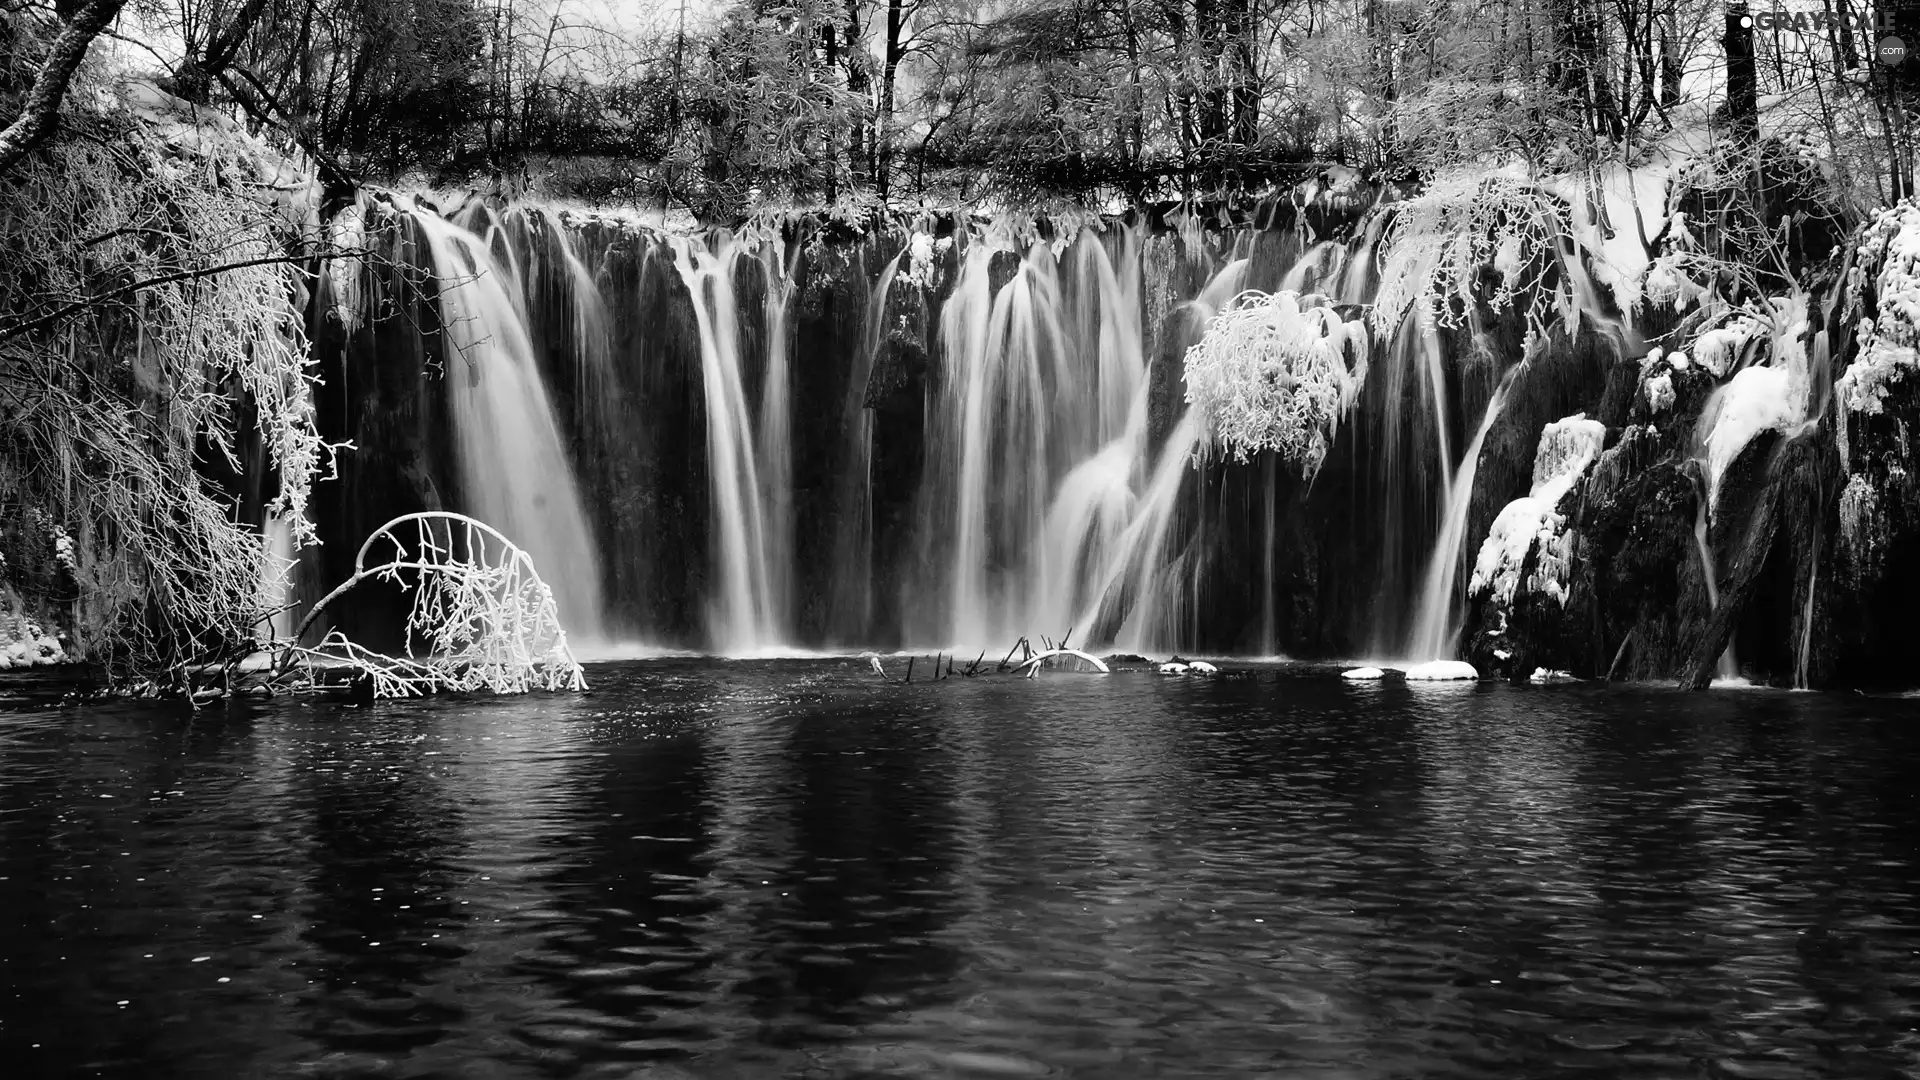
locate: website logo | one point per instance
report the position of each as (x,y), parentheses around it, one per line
(1888,49)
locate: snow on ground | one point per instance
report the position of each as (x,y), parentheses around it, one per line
(1567,448)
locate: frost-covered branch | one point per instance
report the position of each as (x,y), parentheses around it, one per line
(1277,372)
(1438,246)
(481,617)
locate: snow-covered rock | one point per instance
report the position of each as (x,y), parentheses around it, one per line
(1443,671)
(1201,667)
(1658,390)
(1363,674)
(1542,676)
(1888,343)
(1755,400)
(1172,669)
(1727,348)
(1567,449)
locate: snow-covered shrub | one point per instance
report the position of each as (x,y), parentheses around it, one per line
(1656,378)
(1276,372)
(921,263)
(1436,245)
(1658,391)
(1567,449)
(1671,284)
(1730,347)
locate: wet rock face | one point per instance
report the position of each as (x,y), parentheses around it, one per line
(900,369)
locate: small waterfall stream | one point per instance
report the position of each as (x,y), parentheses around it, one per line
(1729,665)
(1436,627)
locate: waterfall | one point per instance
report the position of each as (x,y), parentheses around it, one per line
(1034,470)
(513,472)
(775,443)
(1802,664)
(1006,360)
(276,579)
(1414,369)
(853,546)
(1269,618)
(1729,666)
(1436,626)
(743,614)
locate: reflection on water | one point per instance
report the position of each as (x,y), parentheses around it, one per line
(708,869)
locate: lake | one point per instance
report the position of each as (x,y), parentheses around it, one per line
(793,868)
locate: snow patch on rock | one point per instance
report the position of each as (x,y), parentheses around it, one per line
(1567,449)
(1656,383)
(1728,347)
(1443,671)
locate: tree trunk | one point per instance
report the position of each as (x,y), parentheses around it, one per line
(890,66)
(41,114)
(1246,92)
(861,144)
(1743,76)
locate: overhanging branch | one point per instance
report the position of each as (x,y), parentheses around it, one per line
(19,329)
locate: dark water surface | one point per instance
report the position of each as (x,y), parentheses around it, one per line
(710,869)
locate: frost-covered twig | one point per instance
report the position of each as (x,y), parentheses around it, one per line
(481,618)
(1438,245)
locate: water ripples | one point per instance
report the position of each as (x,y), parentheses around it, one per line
(790,868)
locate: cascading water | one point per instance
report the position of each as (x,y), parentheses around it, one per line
(1051,481)
(748,553)
(1007,360)
(775,438)
(1436,621)
(1729,666)
(853,545)
(513,471)
(276,579)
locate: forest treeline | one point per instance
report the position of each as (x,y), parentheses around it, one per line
(818,102)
